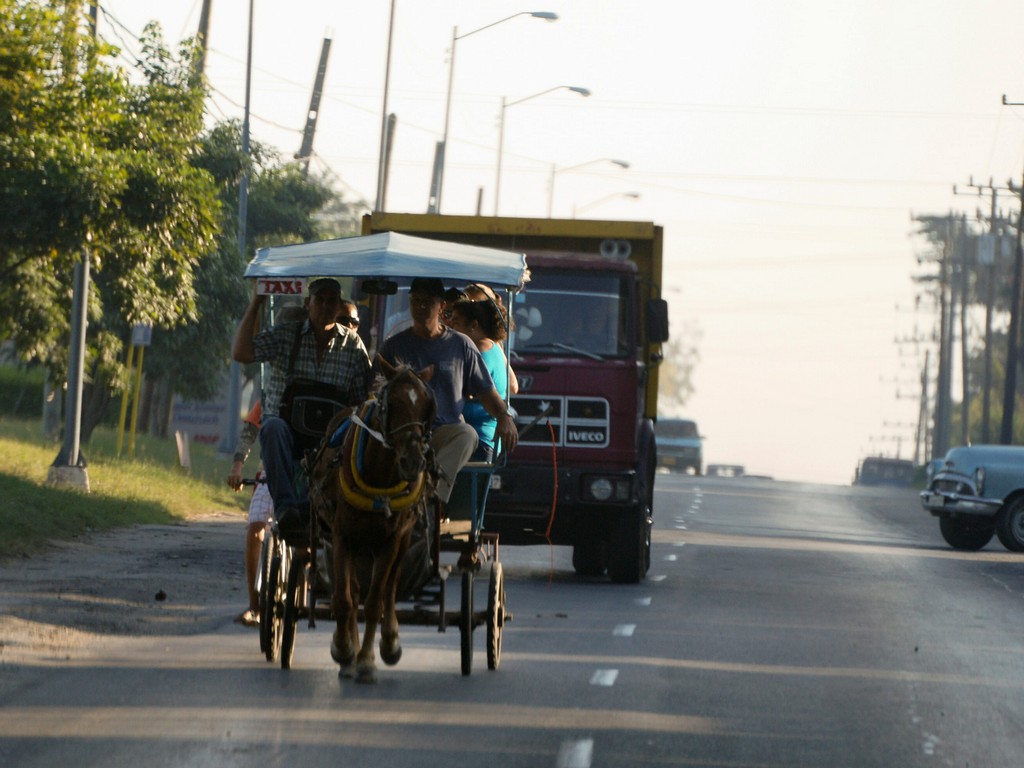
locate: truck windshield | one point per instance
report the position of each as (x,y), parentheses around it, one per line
(676,429)
(572,314)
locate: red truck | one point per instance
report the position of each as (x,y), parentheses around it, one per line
(586,347)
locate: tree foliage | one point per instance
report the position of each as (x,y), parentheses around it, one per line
(675,375)
(95,160)
(282,207)
(118,164)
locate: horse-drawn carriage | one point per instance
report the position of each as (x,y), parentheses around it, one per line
(353,469)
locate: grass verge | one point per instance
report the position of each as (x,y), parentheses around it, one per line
(148,488)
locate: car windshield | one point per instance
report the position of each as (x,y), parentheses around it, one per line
(676,429)
(577,314)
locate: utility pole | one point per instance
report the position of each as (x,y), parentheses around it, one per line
(306,150)
(1013,334)
(921,438)
(987,251)
(203,34)
(69,468)
(942,399)
(965,366)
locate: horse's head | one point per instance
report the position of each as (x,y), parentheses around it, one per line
(407,413)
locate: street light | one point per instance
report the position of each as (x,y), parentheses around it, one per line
(551,181)
(605,199)
(438,185)
(584,92)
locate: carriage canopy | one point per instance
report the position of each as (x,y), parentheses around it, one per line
(391,255)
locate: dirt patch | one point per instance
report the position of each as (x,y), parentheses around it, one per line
(145,580)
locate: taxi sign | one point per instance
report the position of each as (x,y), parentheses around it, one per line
(281,286)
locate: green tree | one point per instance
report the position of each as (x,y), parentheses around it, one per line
(284,205)
(94,158)
(675,375)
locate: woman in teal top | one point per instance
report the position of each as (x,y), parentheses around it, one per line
(483,323)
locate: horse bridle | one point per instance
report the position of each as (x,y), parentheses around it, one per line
(387,432)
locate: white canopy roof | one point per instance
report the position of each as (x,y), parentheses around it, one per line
(391,255)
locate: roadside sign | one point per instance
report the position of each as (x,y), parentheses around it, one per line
(142,335)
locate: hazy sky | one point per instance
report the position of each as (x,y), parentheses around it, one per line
(784,145)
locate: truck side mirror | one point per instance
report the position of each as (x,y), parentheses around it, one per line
(657,321)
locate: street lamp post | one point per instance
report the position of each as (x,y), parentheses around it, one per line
(551,181)
(382,158)
(438,185)
(584,92)
(230,438)
(605,199)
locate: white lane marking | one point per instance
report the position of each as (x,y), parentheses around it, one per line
(678,543)
(659,577)
(680,527)
(670,558)
(604,677)
(575,754)
(643,601)
(624,630)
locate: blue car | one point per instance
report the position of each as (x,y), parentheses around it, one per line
(680,445)
(976,492)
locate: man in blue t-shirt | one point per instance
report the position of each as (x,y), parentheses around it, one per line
(459,372)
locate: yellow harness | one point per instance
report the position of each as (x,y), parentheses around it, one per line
(365,497)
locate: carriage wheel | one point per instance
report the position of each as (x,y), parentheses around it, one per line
(275,602)
(263,590)
(495,614)
(292,601)
(466,622)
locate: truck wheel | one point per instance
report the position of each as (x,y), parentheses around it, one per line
(630,551)
(1010,526)
(965,535)
(588,557)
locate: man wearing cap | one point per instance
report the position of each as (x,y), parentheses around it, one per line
(459,372)
(316,348)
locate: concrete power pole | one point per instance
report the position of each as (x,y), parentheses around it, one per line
(1013,336)
(203,34)
(943,422)
(69,468)
(306,150)
(988,250)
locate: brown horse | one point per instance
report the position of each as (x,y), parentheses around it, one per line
(383,477)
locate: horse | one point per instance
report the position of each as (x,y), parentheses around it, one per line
(379,480)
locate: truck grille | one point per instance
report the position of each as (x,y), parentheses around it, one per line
(578,422)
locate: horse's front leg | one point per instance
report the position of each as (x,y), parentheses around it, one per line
(366,661)
(345,605)
(390,645)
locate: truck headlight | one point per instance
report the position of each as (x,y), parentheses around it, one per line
(979,481)
(601,488)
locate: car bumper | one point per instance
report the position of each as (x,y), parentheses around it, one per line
(946,502)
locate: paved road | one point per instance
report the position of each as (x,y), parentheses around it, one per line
(781,625)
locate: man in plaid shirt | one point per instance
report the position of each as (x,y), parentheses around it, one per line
(326,352)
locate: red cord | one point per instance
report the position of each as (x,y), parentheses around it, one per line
(554,504)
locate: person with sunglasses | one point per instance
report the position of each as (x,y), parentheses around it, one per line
(348,314)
